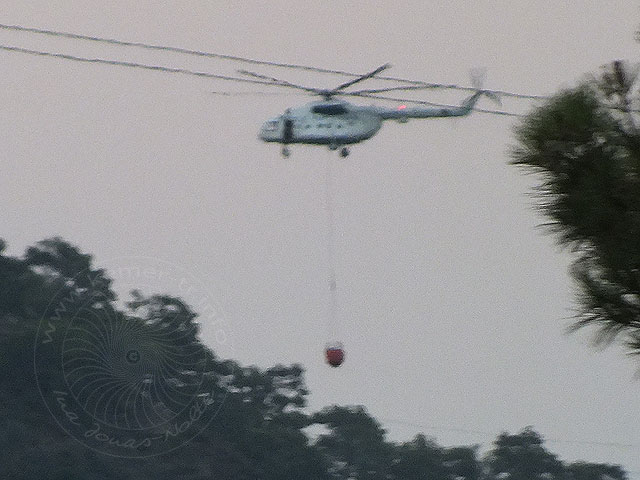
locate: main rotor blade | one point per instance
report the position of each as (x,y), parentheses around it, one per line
(226,93)
(278,82)
(393,89)
(362,77)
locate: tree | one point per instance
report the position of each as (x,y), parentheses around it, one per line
(258,430)
(355,445)
(461,463)
(523,457)
(585,144)
(595,471)
(68,269)
(418,458)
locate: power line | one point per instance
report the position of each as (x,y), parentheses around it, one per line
(417,83)
(185,71)
(435,428)
(253,61)
(131,65)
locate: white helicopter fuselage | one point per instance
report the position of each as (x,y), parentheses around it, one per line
(323,123)
(337,123)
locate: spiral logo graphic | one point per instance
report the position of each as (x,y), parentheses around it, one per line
(125,382)
(127,374)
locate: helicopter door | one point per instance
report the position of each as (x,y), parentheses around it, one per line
(287,131)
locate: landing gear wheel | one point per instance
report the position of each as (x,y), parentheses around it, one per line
(344,152)
(333,146)
(286,152)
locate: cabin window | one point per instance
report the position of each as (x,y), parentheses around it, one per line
(329,109)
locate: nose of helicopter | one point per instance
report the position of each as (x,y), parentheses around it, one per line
(269,130)
(262,135)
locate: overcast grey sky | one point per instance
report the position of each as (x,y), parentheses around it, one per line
(452,305)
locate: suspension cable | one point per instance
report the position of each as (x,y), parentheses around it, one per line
(328,198)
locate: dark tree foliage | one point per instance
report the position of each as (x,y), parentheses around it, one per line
(355,443)
(594,471)
(67,269)
(585,145)
(256,434)
(523,457)
(259,432)
(462,462)
(417,457)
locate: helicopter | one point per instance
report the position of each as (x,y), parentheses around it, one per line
(338,123)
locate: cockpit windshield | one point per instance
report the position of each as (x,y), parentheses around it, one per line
(271,125)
